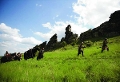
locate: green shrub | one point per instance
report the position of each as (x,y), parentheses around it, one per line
(88,43)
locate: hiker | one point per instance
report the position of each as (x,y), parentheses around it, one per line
(104,46)
(80,49)
(7,55)
(40,55)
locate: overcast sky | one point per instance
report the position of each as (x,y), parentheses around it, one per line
(26,23)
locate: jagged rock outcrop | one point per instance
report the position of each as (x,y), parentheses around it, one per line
(69,36)
(68,33)
(115,17)
(52,42)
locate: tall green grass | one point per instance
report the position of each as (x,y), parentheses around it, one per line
(63,65)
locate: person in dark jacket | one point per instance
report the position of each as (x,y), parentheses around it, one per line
(104,46)
(7,55)
(40,55)
(80,48)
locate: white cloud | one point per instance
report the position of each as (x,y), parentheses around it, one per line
(12,41)
(71,16)
(38,5)
(45,36)
(8,30)
(48,25)
(95,12)
(59,29)
(30,40)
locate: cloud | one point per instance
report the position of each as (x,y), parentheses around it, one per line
(11,40)
(48,25)
(71,16)
(94,12)
(59,29)
(8,33)
(38,5)
(8,30)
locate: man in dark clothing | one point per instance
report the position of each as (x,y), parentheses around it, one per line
(104,46)
(40,55)
(7,55)
(80,49)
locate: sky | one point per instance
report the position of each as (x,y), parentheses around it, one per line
(26,23)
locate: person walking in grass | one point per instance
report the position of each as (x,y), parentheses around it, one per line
(40,55)
(80,48)
(104,46)
(7,55)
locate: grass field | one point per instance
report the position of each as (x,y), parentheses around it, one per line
(63,65)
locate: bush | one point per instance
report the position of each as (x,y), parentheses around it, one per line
(88,43)
(73,43)
(63,44)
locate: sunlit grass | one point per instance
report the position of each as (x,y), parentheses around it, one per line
(63,65)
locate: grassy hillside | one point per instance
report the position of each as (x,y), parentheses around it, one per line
(64,65)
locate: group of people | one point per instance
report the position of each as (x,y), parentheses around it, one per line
(11,54)
(80,50)
(104,46)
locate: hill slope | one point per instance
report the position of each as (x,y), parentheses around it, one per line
(109,28)
(64,65)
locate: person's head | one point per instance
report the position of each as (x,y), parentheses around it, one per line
(82,43)
(6,52)
(105,38)
(41,49)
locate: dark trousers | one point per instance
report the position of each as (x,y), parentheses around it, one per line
(79,52)
(105,47)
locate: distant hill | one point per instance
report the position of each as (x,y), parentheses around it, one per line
(109,28)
